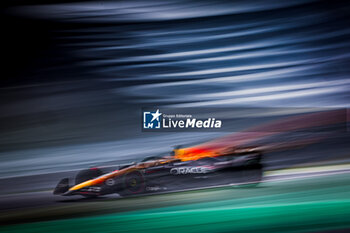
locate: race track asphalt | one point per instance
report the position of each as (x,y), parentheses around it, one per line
(288,201)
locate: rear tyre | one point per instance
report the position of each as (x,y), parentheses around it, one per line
(133,183)
(252,175)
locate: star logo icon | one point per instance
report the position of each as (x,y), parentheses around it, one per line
(151,120)
(156,115)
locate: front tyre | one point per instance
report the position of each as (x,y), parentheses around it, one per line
(133,183)
(87,174)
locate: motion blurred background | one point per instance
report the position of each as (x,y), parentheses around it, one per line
(75,76)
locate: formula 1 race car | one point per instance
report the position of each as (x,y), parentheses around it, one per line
(182,169)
